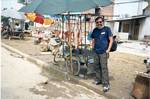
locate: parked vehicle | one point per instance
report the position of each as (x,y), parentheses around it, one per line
(7,33)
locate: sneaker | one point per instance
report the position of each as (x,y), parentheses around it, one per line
(106,88)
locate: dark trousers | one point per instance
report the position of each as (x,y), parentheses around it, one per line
(101,69)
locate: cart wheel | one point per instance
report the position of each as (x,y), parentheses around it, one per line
(75,66)
(5,35)
(21,36)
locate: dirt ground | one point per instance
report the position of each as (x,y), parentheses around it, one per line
(122,66)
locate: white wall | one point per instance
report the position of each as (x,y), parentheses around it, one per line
(114,26)
(144,28)
(130,9)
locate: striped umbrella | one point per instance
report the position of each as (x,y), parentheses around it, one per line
(38,18)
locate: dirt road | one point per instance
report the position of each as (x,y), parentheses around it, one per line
(24,80)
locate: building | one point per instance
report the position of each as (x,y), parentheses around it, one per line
(134,19)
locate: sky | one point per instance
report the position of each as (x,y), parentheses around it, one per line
(10,4)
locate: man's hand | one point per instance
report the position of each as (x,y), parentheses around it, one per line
(107,51)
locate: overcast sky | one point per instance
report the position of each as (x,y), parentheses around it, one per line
(10,4)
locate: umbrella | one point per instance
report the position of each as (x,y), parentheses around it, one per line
(38,18)
(13,13)
(51,7)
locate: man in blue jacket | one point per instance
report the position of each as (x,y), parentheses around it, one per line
(101,42)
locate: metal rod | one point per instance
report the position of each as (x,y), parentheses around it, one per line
(92,14)
(62,32)
(85,30)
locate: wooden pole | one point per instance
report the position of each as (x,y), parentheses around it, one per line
(63,33)
(70,42)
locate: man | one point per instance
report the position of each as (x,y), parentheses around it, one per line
(101,42)
(17,27)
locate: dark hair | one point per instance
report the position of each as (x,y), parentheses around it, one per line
(100,17)
(16,24)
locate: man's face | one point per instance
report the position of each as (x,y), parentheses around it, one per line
(99,23)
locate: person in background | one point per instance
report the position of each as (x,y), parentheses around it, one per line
(17,27)
(26,26)
(102,39)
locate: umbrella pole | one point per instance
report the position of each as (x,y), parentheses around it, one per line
(70,43)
